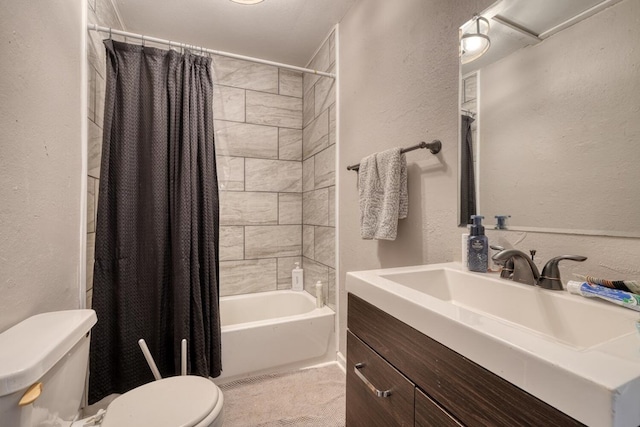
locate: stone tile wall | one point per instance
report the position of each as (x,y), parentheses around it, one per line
(318,173)
(258,131)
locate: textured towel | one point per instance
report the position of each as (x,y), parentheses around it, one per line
(382,190)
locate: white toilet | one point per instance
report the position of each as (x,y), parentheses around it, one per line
(43,367)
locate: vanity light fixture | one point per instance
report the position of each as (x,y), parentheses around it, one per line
(247,1)
(475,40)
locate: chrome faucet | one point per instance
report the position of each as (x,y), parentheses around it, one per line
(525,271)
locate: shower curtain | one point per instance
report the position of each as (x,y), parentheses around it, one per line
(156,253)
(467,175)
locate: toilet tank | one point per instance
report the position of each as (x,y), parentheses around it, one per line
(51,349)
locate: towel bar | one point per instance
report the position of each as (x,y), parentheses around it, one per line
(433,146)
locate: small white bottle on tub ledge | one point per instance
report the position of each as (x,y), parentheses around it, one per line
(297,278)
(319,295)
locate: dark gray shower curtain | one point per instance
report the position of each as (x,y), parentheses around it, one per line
(467,175)
(156,254)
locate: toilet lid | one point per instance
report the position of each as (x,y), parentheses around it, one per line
(176,401)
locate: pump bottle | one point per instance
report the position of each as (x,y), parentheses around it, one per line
(297,280)
(478,246)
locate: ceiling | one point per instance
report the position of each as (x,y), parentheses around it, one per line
(515,24)
(287,31)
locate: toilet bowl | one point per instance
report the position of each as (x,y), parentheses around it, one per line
(43,365)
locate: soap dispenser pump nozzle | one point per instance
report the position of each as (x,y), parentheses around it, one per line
(476,228)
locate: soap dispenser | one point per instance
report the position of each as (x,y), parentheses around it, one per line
(297,281)
(478,247)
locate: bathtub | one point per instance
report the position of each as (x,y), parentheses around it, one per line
(273,331)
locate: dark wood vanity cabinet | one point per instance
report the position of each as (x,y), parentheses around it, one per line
(366,408)
(429,384)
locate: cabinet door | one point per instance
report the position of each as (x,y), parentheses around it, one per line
(369,379)
(430,414)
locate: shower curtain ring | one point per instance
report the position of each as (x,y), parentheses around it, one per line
(143,40)
(109,33)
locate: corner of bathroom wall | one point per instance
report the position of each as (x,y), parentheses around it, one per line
(318,171)
(103,13)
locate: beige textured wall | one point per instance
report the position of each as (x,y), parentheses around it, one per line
(399,86)
(40,157)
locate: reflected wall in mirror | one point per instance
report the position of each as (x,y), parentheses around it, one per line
(557,116)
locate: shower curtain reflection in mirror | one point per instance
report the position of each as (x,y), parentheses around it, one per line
(467,177)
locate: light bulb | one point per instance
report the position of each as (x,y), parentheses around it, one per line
(472,44)
(247,1)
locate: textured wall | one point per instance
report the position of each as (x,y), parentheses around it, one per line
(40,160)
(318,173)
(399,86)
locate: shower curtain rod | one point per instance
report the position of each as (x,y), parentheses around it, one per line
(144,38)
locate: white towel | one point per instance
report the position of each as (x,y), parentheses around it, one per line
(382,191)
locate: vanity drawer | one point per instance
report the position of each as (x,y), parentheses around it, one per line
(364,407)
(470,393)
(429,413)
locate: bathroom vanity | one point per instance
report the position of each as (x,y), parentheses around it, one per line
(429,383)
(439,346)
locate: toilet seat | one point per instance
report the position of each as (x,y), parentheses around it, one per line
(170,402)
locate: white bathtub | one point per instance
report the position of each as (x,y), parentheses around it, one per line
(272,331)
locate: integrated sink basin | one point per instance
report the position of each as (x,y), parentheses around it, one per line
(580,355)
(569,319)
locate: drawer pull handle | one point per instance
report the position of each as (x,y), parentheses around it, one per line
(364,379)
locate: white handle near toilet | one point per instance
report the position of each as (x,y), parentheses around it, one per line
(183,358)
(150,362)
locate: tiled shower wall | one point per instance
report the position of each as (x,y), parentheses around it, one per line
(276,166)
(318,170)
(260,144)
(258,132)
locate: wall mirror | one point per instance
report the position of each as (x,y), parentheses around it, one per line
(555,117)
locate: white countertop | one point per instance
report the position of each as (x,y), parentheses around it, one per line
(598,385)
